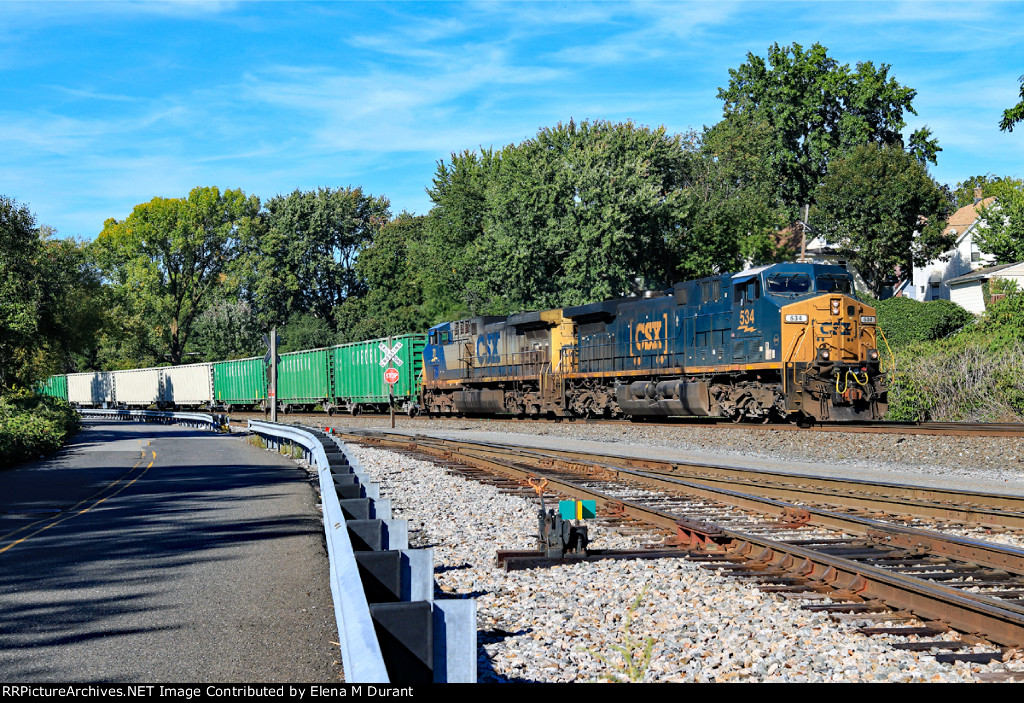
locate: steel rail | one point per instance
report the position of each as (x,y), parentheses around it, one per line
(1000,620)
(965,429)
(976,508)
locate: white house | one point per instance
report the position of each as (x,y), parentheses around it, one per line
(967,290)
(931,281)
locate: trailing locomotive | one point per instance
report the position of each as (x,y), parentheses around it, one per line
(780,341)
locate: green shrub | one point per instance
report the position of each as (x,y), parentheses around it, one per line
(32,425)
(1002,325)
(904,321)
(964,378)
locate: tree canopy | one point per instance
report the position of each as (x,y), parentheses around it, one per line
(1014,114)
(883,210)
(1002,234)
(815,110)
(170,256)
(301,257)
(49,299)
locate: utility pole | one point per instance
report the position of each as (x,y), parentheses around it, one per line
(803,242)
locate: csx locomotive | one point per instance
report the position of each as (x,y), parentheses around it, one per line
(782,341)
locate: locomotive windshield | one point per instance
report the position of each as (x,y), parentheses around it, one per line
(834,284)
(791,285)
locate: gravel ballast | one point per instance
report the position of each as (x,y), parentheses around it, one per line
(577,622)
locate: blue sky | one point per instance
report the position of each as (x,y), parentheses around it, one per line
(107,105)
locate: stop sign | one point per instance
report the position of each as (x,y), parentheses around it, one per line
(391,376)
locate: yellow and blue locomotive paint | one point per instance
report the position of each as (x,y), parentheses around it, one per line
(780,341)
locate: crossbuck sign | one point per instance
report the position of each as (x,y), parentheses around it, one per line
(390,354)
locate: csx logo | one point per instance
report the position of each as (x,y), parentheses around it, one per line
(836,328)
(487,348)
(648,336)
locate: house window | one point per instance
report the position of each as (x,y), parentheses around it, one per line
(975,255)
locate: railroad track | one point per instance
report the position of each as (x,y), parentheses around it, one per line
(948,429)
(902,580)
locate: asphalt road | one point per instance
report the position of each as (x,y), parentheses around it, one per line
(150,554)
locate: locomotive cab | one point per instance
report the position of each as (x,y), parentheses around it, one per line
(829,348)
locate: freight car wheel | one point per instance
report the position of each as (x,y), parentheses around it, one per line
(413,411)
(229,408)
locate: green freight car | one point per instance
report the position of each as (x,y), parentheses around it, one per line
(55,386)
(240,384)
(359,374)
(304,380)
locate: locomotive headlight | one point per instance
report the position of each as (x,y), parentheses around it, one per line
(873,354)
(823,353)
(796,318)
(867,319)
(836,303)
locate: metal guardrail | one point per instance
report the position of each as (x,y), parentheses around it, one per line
(405,635)
(214,422)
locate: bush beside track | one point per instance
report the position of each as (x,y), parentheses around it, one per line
(950,371)
(32,426)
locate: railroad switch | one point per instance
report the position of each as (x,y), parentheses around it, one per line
(557,534)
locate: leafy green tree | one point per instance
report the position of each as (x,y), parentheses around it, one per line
(817,110)
(1014,114)
(1003,231)
(302,258)
(389,268)
(582,212)
(306,331)
(881,208)
(170,257)
(227,330)
(990,184)
(729,212)
(451,250)
(50,307)
(19,290)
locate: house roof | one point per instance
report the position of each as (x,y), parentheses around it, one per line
(981,274)
(967,215)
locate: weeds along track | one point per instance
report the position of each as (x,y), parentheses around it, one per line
(847,541)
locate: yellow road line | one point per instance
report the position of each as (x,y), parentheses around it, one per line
(72,511)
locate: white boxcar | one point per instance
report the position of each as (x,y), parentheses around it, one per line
(91,390)
(188,386)
(137,388)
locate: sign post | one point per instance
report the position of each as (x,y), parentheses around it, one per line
(391,378)
(272,359)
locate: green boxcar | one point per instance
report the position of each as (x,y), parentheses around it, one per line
(359,377)
(56,386)
(240,383)
(304,379)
